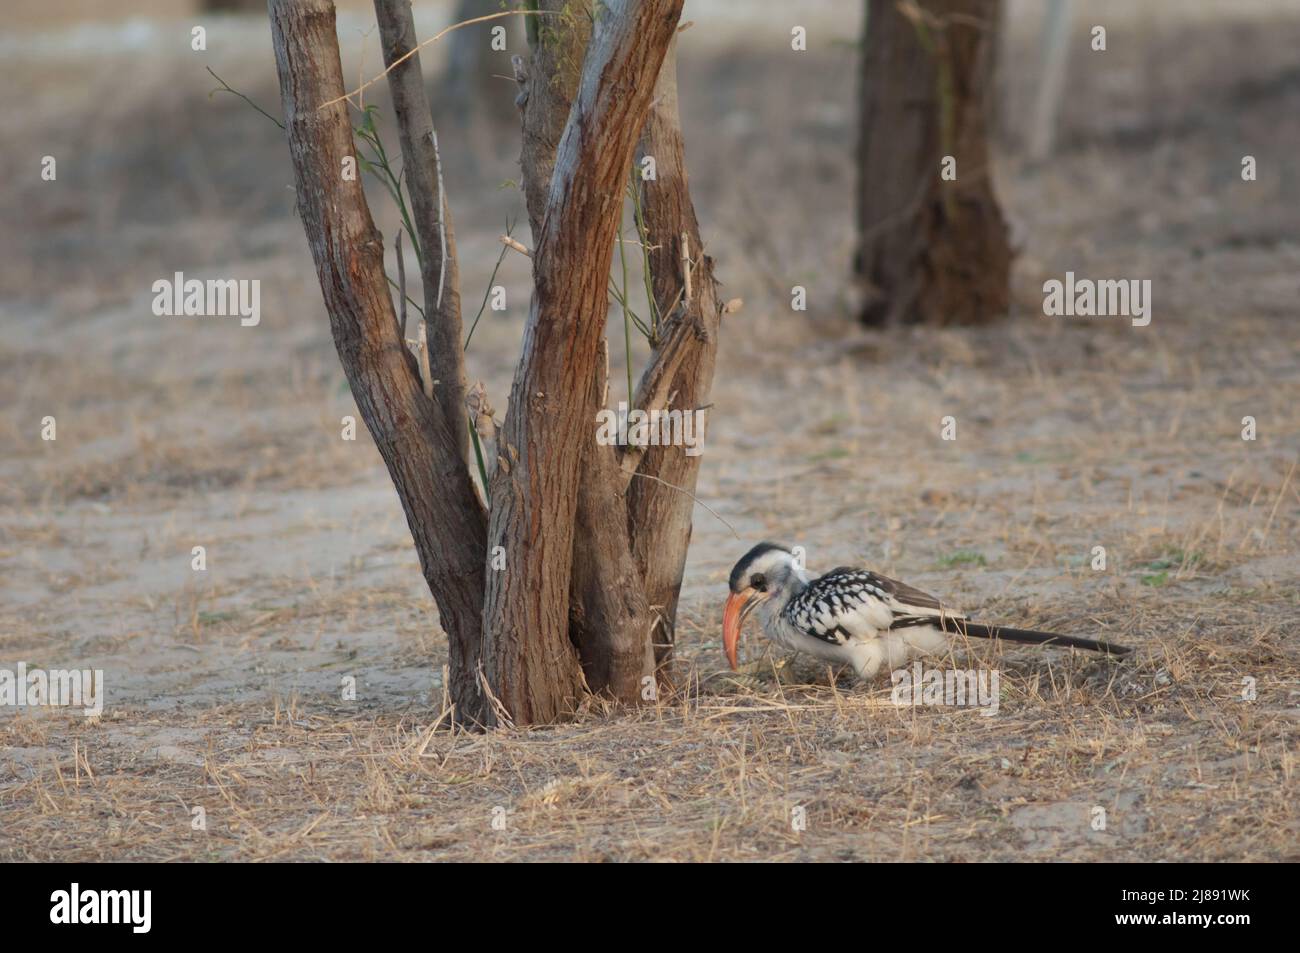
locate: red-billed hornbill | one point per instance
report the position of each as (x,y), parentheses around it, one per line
(854,617)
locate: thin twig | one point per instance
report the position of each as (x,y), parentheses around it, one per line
(683,489)
(638,214)
(433,39)
(627,320)
(502,716)
(226,88)
(488,290)
(409,299)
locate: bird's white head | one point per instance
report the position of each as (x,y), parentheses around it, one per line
(765,572)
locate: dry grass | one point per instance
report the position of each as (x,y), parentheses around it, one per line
(1182,767)
(225,687)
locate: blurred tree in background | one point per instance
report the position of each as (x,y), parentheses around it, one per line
(932,240)
(478,80)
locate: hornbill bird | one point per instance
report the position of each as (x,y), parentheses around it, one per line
(855,617)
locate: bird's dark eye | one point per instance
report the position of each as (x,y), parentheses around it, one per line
(758,581)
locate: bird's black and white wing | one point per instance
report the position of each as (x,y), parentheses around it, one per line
(852,603)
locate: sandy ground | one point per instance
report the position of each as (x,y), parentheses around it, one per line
(224,686)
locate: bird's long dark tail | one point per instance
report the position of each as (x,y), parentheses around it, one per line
(1029,636)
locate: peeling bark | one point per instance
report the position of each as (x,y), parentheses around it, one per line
(528,655)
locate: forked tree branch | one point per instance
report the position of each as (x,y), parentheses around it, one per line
(413,433)
(552,403)
(431,216)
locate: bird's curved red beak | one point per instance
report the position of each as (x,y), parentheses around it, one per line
(733,617)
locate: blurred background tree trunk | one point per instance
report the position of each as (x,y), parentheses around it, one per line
(932,240)
(477,82)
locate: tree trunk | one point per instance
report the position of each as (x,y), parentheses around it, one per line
(661,499)
(609,619)
(583,583)
(613,626)
(413,433)
(930,250)
(530,660)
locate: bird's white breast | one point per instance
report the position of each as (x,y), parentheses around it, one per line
(869,648)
